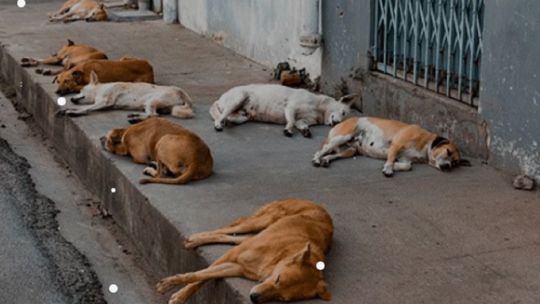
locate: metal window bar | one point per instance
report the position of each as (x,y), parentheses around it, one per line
(436,44)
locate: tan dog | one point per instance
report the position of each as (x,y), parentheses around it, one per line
(125,70)
(68,56)
(399,143)
(291,236)
(181,156)
(89,10)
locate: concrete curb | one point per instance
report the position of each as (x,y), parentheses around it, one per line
(154,236)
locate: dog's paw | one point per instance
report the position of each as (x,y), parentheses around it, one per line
(61,112)
(388,173)
(46,72)
(306,133)
(316,163)
(325,163)
(144,181)
(39,71)
(164,285)
(287,133)
(25,59)
(218,128)
(190,244)
(149,171)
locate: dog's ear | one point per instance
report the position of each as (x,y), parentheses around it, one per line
(348,99)
(322,291)
(94,78)
(465,162)
(101,6)
(70,42)
(116,139)
(78,76)
(439,140)
(305,254)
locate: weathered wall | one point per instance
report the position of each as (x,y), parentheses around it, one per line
(265,31)
(346,32)
(510,78)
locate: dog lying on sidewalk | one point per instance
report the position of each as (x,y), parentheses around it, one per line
(68,56)
(278,246)
(74,10)
(131,96)
(399,143)
(126,69)
(178,154)
(279,104)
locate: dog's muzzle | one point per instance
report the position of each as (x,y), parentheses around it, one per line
(255,298)
(445,167)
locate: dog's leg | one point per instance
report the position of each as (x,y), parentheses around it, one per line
(290,114)
(333,142)
(252,224)
(85,109)
(230,107)
(221,268)
(183,295)
(238,118)
(218,238)
(343,153)
(392,154)
(303,126)
(403,164)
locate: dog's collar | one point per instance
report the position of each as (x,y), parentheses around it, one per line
(439,140)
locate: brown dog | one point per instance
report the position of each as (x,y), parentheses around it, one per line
(125,70)
(291,237)
(68,56)
(74,10)
(181,156)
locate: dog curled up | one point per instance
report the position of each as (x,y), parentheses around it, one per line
(152,99)
(68,56)
(125,69)
(174,154)
(399,143)
(278,246)
(296,108)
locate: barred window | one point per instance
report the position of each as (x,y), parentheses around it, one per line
(436,44)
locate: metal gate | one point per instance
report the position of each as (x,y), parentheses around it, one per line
(436,44)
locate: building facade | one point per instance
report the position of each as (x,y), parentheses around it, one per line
(463,68)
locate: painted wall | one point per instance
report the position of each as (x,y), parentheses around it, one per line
(510,84)
(266,31)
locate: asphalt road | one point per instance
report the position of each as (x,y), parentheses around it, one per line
(37,264)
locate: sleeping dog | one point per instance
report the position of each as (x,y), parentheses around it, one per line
(175,155)
(279,246)
(399,143)
(68,56)
(126,69)
(131,96)
(296,108)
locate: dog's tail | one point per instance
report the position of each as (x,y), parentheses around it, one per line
(185,110)
(183,178)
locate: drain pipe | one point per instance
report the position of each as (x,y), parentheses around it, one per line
(310,37)
(170,11)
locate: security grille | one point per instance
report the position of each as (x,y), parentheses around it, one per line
(436,44)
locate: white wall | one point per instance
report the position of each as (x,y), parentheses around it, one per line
(267,31)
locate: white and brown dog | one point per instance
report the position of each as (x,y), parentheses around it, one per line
(399,143)
(153,99)
(281,105)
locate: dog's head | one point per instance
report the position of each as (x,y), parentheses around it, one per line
(444,155)
(295,278)
(88,92)
(97,14)
(113,142)
(336,110)
(62,53)
(70,81)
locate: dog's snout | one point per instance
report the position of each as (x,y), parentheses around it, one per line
(445,167)
(255,298)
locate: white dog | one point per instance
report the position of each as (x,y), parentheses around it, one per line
(132,96)
(279,104)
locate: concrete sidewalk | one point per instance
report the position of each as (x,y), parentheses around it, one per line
(420,237)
